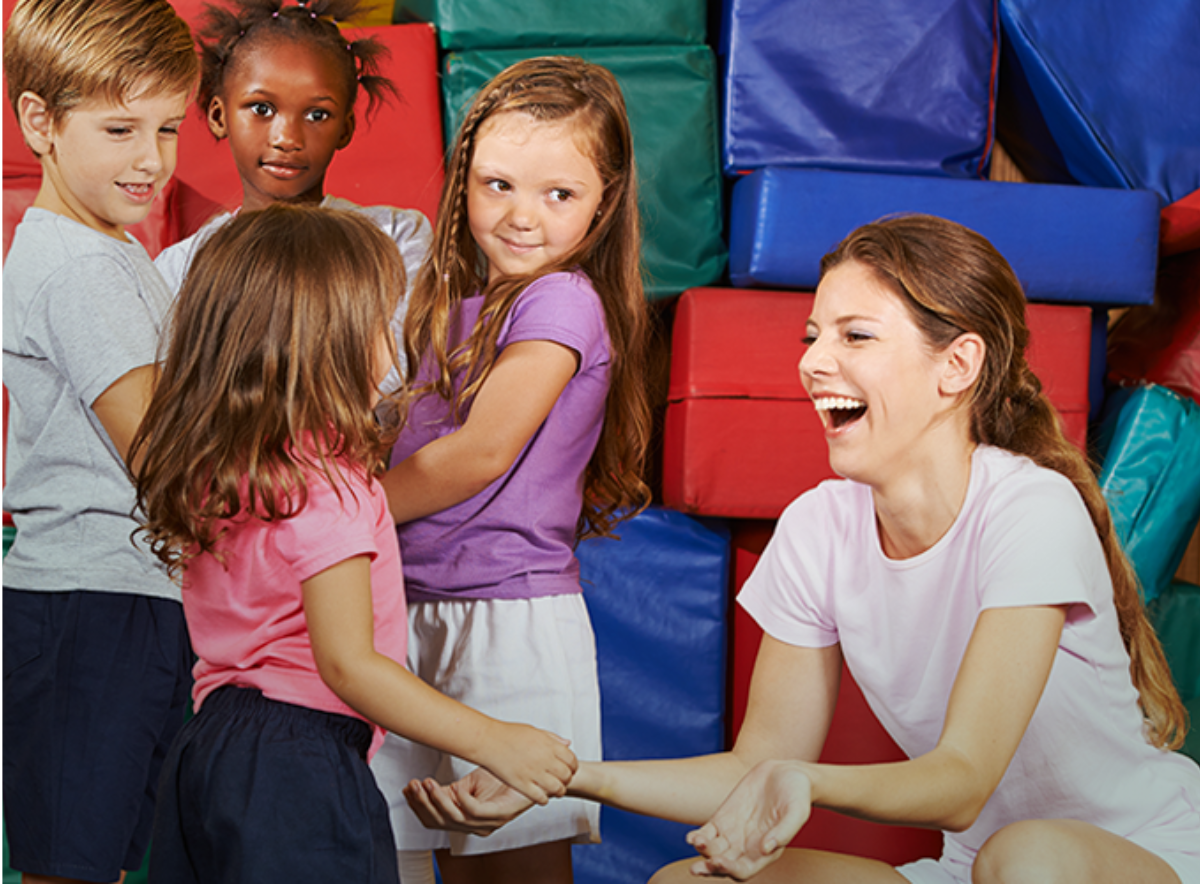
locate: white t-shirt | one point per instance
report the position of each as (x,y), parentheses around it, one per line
(1023,537)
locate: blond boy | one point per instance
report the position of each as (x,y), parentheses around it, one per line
(96,659)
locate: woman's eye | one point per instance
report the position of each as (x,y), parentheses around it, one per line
(857,337)
(808,340)
(498,185)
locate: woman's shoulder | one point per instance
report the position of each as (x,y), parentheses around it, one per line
(1007,477)
(834,508)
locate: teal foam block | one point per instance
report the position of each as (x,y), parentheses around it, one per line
(670,93)
(1176,618)
(658,599)
(489,24)
(1149,445)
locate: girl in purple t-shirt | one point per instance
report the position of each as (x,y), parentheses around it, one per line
(257,459)
(526,430)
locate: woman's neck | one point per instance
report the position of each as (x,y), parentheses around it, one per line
(914,511)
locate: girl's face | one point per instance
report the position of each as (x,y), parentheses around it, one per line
(871,375)
(286,110)
(532,193)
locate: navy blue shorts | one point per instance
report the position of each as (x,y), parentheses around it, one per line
(96,686)
(255,791)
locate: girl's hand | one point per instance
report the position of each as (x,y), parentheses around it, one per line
(756,822)
(478,804)
(536,763)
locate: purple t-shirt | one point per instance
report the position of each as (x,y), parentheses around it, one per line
(516,538)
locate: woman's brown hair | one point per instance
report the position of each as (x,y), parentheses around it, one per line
(587,96)
(269,372)
(952,280)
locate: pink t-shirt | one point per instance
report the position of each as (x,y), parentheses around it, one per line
(246,616)
(1023,537)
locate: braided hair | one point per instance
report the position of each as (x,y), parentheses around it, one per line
(952,280)
(226,32)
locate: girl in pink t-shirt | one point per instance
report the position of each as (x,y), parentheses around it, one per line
(256,468)
(967,572)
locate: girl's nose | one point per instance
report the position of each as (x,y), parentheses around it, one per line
(285,135)
(521,214)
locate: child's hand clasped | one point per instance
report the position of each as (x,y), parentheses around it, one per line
(536,763)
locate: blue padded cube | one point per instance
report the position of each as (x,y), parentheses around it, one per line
(1103,92)
(1074,244)
(658,599)
(901,86)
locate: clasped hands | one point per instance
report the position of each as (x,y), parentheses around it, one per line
(747,833)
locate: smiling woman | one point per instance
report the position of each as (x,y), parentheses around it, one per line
(965,519)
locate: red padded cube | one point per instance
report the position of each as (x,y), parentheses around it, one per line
(741,437)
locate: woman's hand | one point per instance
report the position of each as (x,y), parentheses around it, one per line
(478,804)
(756,822)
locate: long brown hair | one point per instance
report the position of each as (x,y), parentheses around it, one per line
(952,280)
(269,370)
(588,96)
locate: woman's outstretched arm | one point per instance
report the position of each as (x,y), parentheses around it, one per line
(791,701)
(996,691)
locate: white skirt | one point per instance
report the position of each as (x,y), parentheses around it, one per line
(531,661)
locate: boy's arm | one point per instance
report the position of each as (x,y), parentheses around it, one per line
(121,407)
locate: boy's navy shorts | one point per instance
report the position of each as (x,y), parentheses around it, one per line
(256,791)
(96,686)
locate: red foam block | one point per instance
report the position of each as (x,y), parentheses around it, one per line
(741,437)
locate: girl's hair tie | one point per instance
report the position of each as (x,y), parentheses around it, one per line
(275,14)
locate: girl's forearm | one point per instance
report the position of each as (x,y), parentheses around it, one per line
(687,790)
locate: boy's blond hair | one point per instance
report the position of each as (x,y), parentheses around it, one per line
(69,51)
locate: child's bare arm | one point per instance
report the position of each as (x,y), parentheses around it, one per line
(337,607)
(121,407)
(513,402)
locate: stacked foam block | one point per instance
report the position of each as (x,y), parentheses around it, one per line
(656,50)
(835,116)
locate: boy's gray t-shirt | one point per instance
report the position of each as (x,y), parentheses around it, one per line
(81,310)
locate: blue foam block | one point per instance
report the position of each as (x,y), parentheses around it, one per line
(1103,92)
(1074,244)
(900,86)
(658,599)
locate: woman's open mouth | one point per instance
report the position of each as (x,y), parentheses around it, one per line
(839,411)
